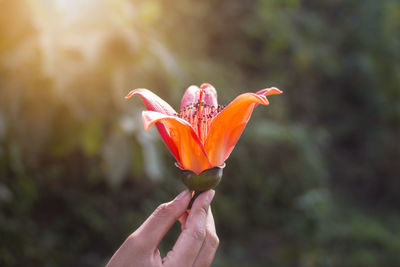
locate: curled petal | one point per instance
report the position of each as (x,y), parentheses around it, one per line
(206,92)
(152,101)
(269,91)
(191,151)
(155,103)
(227,126)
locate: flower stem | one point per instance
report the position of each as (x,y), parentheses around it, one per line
(196,194)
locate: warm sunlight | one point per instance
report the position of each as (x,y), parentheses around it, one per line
(312,181)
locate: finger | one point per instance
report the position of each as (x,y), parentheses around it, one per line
(188,245)
(210,244)
(157,225)
(183,219)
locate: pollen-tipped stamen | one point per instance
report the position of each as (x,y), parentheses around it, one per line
(200,115)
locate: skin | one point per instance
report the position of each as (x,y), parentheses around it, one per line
(195,246)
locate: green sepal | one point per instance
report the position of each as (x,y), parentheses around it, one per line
(207,179)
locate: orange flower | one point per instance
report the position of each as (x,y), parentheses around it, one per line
(203,134)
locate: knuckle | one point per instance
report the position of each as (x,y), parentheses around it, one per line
(212,240)
(202,211)
(198,234)
(137,243)
(132,240)
(163,211)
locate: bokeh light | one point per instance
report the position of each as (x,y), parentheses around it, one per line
(312,182)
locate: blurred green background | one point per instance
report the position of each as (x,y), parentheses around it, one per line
(314,180)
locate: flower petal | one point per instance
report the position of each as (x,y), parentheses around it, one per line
(192,95)
(210,96)
(152,101)
(155,103)
(269,91)
(227,126)
(191,152)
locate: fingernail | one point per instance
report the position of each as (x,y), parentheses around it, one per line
(210,195)
(182,195)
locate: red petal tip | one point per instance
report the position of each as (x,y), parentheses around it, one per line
(130,94)
(205,85)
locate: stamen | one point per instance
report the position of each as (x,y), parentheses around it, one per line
(200,115)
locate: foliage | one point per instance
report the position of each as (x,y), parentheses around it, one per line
(313,181)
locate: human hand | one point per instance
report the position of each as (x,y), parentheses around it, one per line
(196,245)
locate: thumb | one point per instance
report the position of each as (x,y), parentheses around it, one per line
(157,225)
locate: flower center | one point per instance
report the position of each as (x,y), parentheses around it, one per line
(200,115)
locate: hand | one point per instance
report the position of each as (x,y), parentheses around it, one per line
(196,245)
